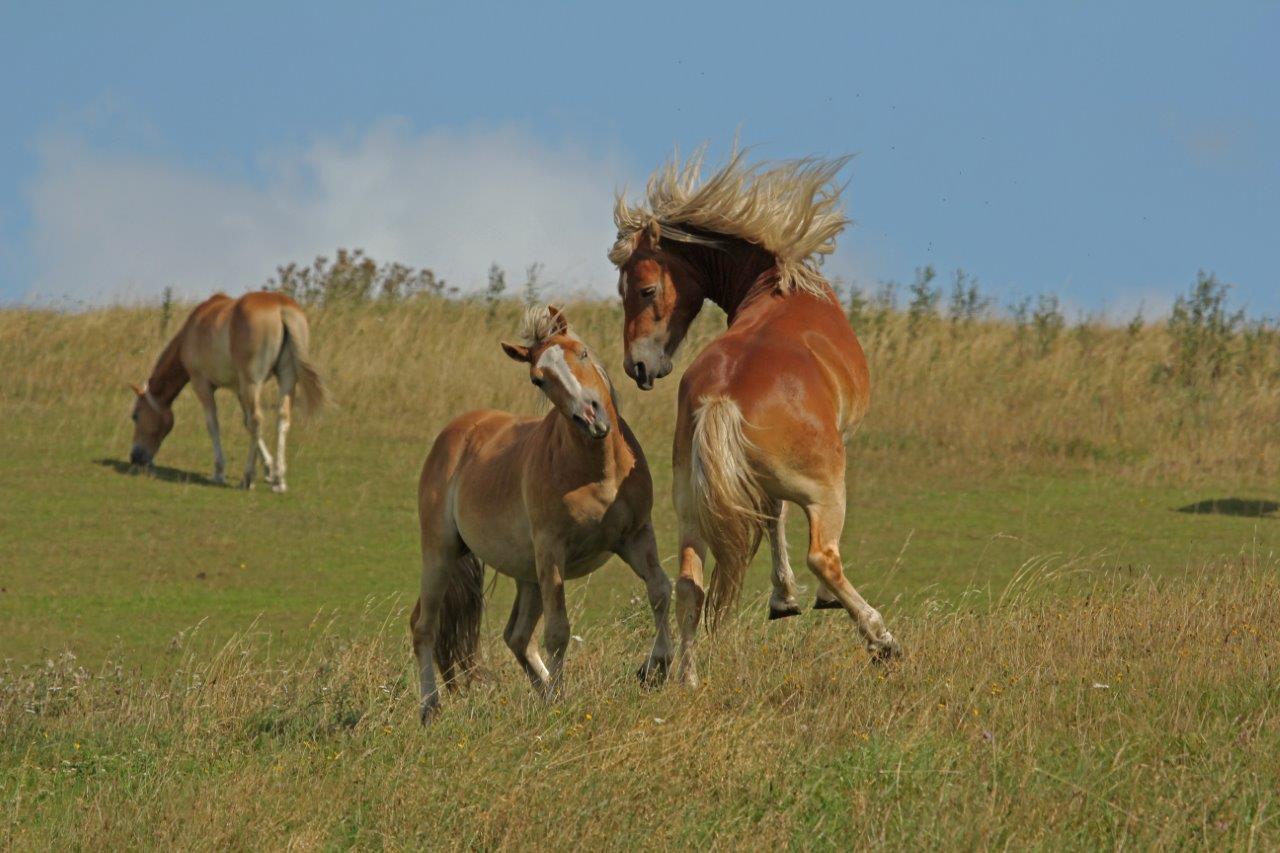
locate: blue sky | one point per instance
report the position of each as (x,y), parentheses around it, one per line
(1104,152)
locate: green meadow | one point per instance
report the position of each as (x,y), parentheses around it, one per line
(1073,534)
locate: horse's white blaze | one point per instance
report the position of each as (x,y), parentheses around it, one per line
(552,361)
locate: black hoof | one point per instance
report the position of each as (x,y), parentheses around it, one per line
(887,653)
(652,673)
(824,604)
(783,612)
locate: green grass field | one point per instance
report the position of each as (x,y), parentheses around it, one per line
(197,665)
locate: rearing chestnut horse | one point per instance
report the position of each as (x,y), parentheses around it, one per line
(236,344)
(766,409)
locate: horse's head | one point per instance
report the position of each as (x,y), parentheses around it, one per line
(660,299)
(152,421)
(562,368)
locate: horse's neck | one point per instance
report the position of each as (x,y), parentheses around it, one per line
(169,376)
(731,275)
(603,459)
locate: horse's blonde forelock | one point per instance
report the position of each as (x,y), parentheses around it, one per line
(538,324)
(792,209)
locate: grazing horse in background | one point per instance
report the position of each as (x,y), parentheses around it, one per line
(236,344)
(541,500)
(766,409)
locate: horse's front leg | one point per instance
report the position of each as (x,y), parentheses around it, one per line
(204,393)
(555,634)
(640,551)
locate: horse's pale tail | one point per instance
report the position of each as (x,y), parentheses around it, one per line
(729,500)
(314,394)
(457,645)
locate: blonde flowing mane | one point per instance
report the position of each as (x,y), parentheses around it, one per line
(791,209)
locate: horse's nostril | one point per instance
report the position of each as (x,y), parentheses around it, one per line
(641,372)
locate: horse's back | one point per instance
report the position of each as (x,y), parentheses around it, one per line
(227,339)
(796,372)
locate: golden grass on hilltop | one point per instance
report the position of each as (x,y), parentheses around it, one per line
(1121,712)
(963,394)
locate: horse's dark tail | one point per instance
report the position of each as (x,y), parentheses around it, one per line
(457,642)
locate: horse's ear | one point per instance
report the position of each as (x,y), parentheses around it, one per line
(559,323)
(136,390)
(516,352)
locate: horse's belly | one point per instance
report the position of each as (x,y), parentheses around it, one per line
(510,552)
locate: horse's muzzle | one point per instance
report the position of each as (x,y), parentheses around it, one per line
(138,456)
(592,420)
(646,376)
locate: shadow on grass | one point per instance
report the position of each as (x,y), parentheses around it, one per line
(1245,507)
(160,472)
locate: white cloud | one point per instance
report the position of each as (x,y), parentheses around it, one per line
(107,225)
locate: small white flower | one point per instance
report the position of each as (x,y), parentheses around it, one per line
(1098,685)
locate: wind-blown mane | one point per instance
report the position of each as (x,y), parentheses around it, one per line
(791,209)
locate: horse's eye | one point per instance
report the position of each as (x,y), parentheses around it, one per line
(134,416)
(649,292)
(583,356)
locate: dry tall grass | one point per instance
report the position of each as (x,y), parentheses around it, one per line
(1121,711)
(965,394)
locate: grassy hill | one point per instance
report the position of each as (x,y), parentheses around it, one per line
(1072,529)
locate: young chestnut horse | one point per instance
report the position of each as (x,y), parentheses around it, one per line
(237,344)
(541,500)
(765,410)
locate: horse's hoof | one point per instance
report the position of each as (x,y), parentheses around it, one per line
(218,480)
(428,711)
(776,612)
(827,604)
(652,673)
(279,488)
(884,651)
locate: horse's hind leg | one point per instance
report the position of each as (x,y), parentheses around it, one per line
(782,602)
(283,417)
(525,615)
(424,627)
(250,402)
(826,521)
